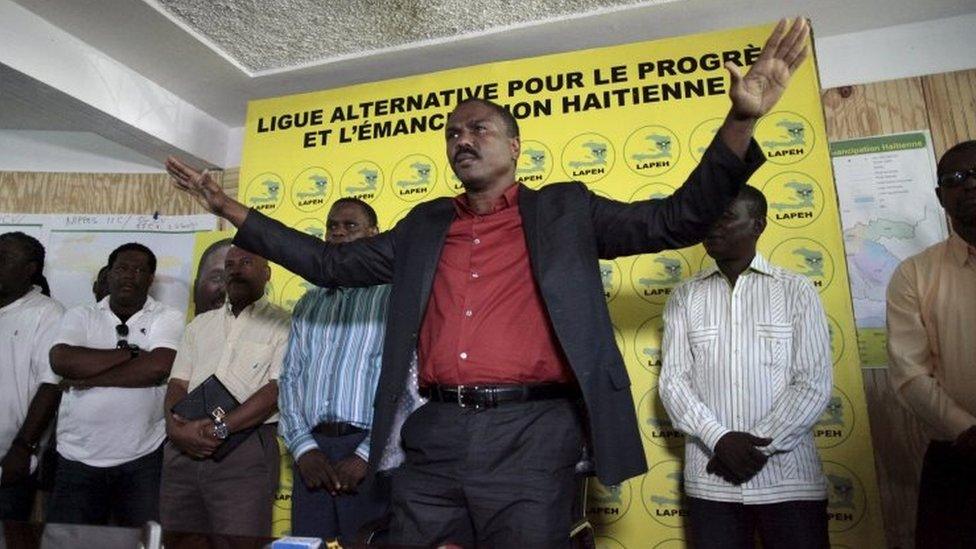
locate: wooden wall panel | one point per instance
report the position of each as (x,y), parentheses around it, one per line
(48,192)
(951,102)
(873,109)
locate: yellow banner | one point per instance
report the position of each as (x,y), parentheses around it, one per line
(631,122)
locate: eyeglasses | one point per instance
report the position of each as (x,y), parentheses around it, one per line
(956,178)
(122,331)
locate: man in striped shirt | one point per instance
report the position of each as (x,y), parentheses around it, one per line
(327,386)
(746,375)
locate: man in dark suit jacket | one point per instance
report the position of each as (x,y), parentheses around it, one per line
(497,316)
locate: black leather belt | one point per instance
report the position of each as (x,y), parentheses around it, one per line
(336,429)
(490,396)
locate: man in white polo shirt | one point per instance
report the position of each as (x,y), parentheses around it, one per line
(114,356)
(29,395)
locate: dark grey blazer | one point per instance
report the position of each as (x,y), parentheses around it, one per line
(567,228)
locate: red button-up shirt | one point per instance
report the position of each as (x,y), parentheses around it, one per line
(485,321)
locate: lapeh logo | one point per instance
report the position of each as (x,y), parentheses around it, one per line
(662,493)
(647,344)
(785,137)
(311,189)
(806,257)
(362,180)
(795,199)
(366,184)
(655,424)
(312,227)
(588,157)
(607,504)
(846,500)
(535,164)
(263,193)
(836,423)
(655,276)
(652,150)
(414,177)
(421,178)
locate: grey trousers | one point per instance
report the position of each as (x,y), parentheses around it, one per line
(233,497)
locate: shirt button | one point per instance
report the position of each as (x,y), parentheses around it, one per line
(477,241)
(474,275)
(463,356)
(468,313)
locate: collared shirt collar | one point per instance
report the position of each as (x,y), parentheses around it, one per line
(759,264)
(148,306)
(35,290)
(261,303)
(508,199)
(960,251)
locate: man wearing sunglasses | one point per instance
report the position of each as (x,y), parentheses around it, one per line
(113,357)
(931,311)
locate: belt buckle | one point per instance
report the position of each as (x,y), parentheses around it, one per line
(460,397)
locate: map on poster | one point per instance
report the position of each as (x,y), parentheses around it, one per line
(889,212)
(78,245)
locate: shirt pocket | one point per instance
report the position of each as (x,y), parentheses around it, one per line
(775,350)
(703,343)
(251,364)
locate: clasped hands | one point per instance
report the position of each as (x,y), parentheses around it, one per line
(737,457)
(194,438)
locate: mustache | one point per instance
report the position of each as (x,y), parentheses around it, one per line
(465,150)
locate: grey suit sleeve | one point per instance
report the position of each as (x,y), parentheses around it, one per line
(683,218)
(365,262)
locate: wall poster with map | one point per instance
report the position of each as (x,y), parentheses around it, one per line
(889,212)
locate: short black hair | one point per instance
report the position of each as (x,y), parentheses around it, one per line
(958,148)
(367,209)
(755,201)
(133,247)
(511,124)
(34,250)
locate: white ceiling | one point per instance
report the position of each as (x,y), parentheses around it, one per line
(217,54)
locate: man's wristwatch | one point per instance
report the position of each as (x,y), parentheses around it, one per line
(220,429)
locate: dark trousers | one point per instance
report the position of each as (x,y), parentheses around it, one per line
(316,513)
(123,495)
(232,497)
(498,477)
(946,499)
(787,525)
(17,499)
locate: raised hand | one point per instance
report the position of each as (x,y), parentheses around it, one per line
(755,94)
(205,190)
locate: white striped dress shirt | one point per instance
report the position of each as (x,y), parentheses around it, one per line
(753,358)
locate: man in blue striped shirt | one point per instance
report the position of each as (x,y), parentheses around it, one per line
(327,385)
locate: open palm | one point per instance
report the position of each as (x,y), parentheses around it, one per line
(754,94)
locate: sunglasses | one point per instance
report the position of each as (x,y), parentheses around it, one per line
(956,178)
(122,331)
